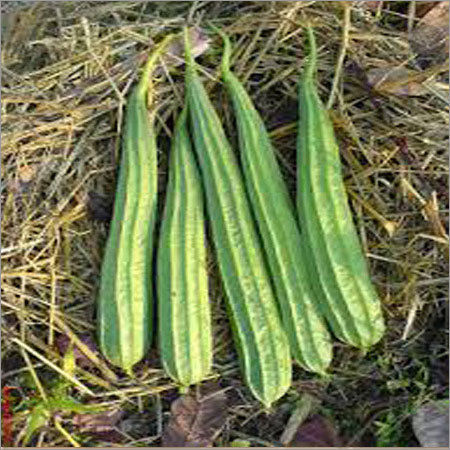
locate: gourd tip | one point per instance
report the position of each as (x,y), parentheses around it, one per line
(187,47)
(311,64)
(226,56)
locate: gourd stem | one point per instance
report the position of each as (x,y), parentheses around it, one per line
(187,48)
(311,64)
(226,56)
(146,80)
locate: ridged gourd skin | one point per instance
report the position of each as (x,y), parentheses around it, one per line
(277,222)
(261,341)
(349,301)
(185,337)
(125,304)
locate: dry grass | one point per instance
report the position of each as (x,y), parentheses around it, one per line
(66,72)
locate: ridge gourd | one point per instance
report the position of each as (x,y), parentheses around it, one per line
(336,261)
(276,219)
(262,343)
(183,305)
(125,304)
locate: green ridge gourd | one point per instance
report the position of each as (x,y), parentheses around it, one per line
(349,301)
(262,343)
(276,218)
(185,336)
(125,307)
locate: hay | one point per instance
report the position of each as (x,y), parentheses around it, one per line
(66,70)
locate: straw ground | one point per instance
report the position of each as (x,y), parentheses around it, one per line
(67,68)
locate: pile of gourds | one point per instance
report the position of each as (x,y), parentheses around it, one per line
(289,274)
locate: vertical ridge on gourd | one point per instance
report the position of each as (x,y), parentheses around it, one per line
(276,219)
(125,310)
(349,301)
(185,335)
(262,343)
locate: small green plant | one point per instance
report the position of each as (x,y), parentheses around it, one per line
(389,430)
(55,399)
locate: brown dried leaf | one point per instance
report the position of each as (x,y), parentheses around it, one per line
(423,7)
(138,424)
(195,422)
(437,16)
(98,422)
(430,38)
(100,425)
(430,424)
(175,52)
(316,432)
(396,80)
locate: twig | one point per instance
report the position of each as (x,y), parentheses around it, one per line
(342,53)
(411,317)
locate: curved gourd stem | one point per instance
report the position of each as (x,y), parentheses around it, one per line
(226,55)
(146,83)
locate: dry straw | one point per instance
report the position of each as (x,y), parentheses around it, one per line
(67,69)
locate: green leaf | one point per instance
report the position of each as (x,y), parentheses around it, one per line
(68,404)
(38,418)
